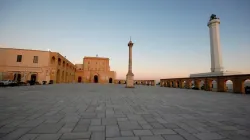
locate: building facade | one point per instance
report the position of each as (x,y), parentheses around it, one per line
(61,69)
(34,65)
(94,70)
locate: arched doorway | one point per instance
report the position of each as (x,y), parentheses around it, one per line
(110,80)
(79,79)
(95,79)
(33,79)
(119,82)
(136,83)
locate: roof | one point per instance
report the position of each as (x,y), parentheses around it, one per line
(23,49)
(89,57)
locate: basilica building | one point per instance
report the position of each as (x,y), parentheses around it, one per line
(23,65)
(94,70)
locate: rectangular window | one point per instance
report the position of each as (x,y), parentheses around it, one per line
(19,58)
(35,59)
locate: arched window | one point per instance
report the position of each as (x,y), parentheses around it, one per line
(59,61)
(63,63)
(53,60)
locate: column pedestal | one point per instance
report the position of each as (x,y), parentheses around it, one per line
(130,80)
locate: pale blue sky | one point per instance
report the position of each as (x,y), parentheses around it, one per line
(171,36)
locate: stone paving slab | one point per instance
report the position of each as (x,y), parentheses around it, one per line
(80,135)
(112,112)
(48,137)
(142,132)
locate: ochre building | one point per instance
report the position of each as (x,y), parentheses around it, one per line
(94,70)
(24,65)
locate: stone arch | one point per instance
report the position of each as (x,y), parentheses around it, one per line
(110,80)
(59,61)
(33,79)
(214,85)
(63,63)
(96,79)
(119,82)
(79,80)
(184,84)
(246,86)
(228,85)
(192,83)
(136,82)
(53,60)
(202,85)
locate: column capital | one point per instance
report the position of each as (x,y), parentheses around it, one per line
(130,43)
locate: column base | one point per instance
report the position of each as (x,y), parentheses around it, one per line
(130,81)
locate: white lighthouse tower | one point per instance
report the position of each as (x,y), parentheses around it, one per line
(215,48)
(215,51)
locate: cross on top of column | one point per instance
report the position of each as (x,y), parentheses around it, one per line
(130,43)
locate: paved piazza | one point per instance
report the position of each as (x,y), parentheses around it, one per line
(112,112)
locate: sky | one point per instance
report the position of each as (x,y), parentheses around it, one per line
(171,37)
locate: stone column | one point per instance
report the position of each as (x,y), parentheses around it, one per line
(130,75)
(215,47)
(208,84)
(188,84)
(181,84)
(221,85)
(238,85)
(197,83)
